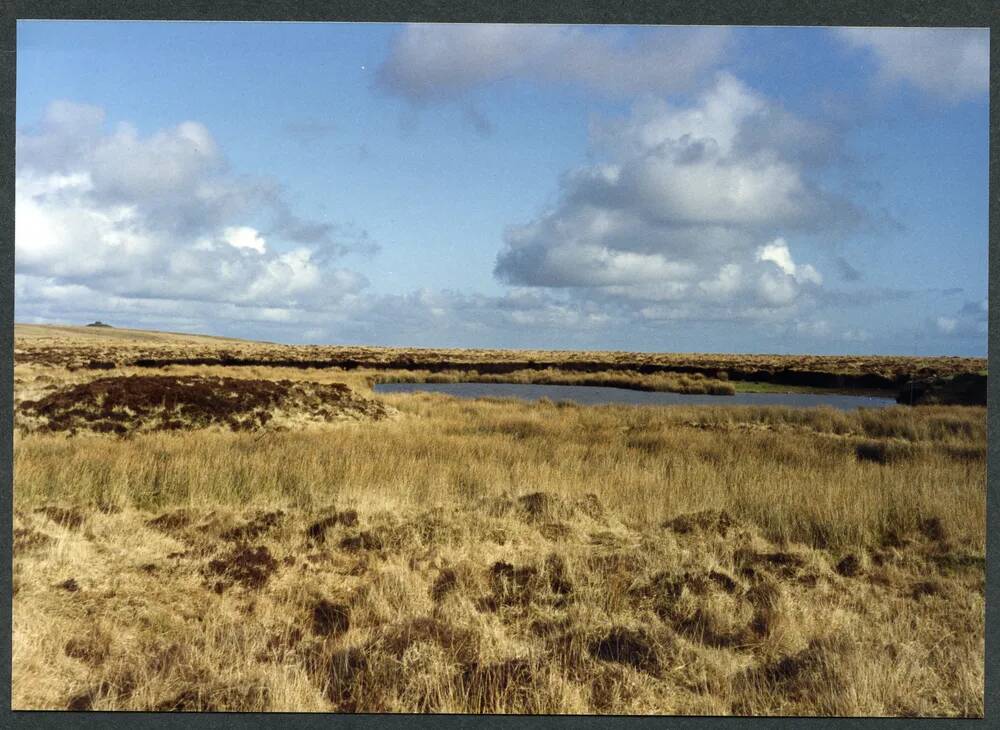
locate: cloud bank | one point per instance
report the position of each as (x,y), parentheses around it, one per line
(161,217)
(951,63)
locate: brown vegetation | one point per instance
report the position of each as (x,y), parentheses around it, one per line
(664,382)
(611,618)
(123,405)
(87,348)
(497,556)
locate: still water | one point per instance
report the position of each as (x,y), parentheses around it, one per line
(594,395)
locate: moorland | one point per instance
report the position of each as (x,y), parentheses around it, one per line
(213,524)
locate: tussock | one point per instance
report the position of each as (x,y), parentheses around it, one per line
(487,556)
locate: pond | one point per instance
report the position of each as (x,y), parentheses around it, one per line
(593,395)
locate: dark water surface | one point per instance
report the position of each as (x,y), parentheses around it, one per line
(593,395)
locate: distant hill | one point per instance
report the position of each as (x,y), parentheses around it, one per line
(102,331)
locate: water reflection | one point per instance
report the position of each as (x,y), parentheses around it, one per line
(594,395)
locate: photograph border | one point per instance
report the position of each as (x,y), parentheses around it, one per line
(931,13)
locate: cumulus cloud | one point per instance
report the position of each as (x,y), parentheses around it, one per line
(430,62)
(690,205)
(725,284)
(777,253)
(244,237)
(113,217)
(951,63)
(97,237)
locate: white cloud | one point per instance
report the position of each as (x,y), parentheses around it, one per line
(777,253)
(776,290)
(430,62)
(58,231)
(952,63)
(124,219)
(686,208)
(94,242)
(125,165)
(726,284)
(244,237)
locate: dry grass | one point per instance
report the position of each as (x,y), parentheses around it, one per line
(502,556)
(664,382)
(83,347)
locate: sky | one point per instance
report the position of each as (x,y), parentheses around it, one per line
(642,188)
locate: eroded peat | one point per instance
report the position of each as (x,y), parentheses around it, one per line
(125,405)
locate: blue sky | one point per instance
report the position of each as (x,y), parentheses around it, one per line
(657,189)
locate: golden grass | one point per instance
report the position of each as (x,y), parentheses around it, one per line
(492,555)
(664,382)
(501,556)
(79,346)
(74,334)
(794,472)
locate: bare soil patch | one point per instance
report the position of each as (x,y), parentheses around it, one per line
(170,521)
(254,528)
(330,618)
(26,539)
(248,566)
(634,647)
(362,541)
